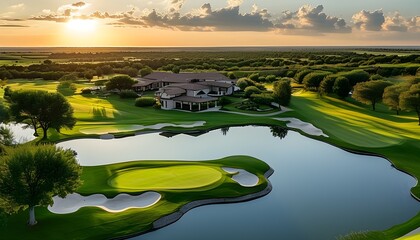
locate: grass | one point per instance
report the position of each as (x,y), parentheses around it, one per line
(177,177)
(95,223)
(348,124)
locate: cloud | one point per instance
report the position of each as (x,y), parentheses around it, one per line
(18,6)
(78,4)
(369,21)
(395,23)
(204,19)
(175,5)
(234,3)
(12,26)
(64,13)
(377,21)
(312,19)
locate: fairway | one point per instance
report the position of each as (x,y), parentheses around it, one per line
(177,177)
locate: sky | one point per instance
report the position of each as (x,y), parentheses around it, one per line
(144,23)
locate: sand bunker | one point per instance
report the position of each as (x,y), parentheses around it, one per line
(73,202)
(130,128)
(244,178)
(304,126)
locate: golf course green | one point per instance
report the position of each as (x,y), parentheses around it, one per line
(177,177)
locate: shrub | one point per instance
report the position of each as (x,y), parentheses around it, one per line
(300,75)
(254,76)
(66,88)
(128,94)
(223,101)
(231,75)
(145,102)
(262,98)
(270,78)
(244,82)
(356,76)
(251,90)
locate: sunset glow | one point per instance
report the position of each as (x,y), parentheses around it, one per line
(82,26)
(209,23)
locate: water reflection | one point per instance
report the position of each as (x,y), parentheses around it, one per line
(224,130)
(319,191)
(278,131)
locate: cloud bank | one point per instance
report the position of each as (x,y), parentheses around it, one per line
(306,20)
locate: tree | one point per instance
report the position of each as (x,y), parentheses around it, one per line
(41,109)
(326,85)
(341,87)
(120,83)
(370,92)
(176,69)
(31,175)
(391,96)
(4,113)
(89,74)
(282,92)
(145,71)
(6,137)
(313,79)
(410,100)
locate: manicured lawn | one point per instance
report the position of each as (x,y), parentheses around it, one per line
(177,177)
(348,124)
(95,223)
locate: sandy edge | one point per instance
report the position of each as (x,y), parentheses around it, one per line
(306,127)
(175,216)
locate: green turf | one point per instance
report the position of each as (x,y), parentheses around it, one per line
(95,223)
(177,177)
(348,124)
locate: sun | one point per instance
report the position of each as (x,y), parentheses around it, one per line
(81,25)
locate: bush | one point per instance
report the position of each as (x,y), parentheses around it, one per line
(244,82)
(223,101)
(376,77)
(231,75)
(251,90)
(262,99)
(254,76)
(66,88)
(128,94)
(300,75)
(69,77)
(271,78)
(145,102)
(356,76)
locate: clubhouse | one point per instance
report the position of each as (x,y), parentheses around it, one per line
(187,91)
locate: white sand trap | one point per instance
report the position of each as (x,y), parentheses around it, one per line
(304,126)
(73,202)
(130,128)
(243,177)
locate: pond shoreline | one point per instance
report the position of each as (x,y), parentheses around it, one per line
(175,216)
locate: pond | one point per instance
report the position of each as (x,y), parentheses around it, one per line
(319,191)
